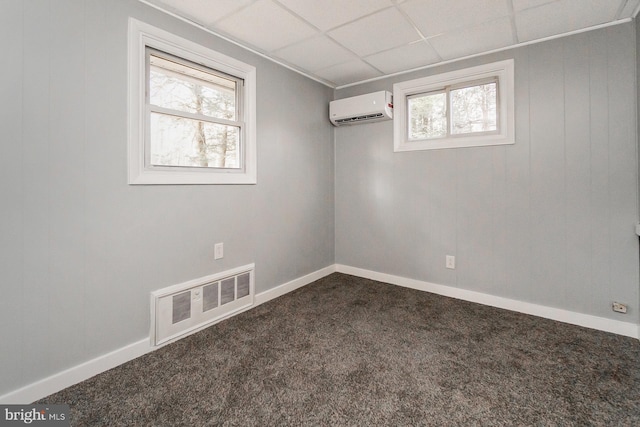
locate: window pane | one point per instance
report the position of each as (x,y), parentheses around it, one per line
(177,141)
(473,109)
(183,88)
(428,116)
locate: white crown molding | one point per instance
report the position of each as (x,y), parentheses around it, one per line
(488,52)
(232,41)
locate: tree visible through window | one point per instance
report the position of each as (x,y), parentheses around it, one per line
(192,112)
(428,116)
(471,109)
(194,115)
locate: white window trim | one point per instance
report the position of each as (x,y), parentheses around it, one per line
(503,70)
(142,35)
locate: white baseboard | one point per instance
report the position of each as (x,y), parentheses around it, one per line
(76,374)
(283,289)
(86,370)
(565,316)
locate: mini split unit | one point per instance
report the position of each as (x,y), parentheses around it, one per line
(372,107)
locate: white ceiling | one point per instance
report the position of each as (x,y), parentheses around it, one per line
(340,42)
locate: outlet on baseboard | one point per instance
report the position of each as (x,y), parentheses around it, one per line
(619,307)
(450,262)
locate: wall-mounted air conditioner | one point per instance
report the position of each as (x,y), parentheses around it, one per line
(372,107)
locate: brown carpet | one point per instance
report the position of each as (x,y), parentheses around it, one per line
(351,351)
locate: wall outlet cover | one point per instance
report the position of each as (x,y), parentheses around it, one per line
(450,262)
(619,307)
(218,251)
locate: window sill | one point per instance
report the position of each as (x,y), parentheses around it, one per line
(455,142)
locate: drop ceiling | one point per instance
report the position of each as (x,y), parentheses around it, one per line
(342,42)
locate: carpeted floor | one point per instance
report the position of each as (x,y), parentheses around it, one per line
(351,351)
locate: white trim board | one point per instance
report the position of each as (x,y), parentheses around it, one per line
(76,374)
(285,288)
(492,51)
(234,42)
(90,368)
(565,316)
(399,73)
(86,370)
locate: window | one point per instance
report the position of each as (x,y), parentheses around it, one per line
(195,119)
(192,112)
(465,108)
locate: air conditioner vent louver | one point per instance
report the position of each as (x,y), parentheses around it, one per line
(371,107)
(360,118)
(185,308)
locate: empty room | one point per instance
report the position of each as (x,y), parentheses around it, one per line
(319,212)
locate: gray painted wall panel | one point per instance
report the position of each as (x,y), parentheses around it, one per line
(498,283)
(83,248)
(600,208)
(474,253)
(548,214)
(357,209)
(66,183)
(538,221)
(440,231)
(36,162)
(518,201)
(578,168)
(11,209)
(101,205)
(637,47)
(622,160)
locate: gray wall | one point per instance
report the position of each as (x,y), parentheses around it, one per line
(549,220)
(80,250)
(638,109)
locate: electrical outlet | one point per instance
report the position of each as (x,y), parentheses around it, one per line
(450,262)
(619,307)
(218,251)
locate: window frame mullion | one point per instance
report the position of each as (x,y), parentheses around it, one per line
(200,117)
(447,91)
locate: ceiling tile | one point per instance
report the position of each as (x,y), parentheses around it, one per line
(585,13)
(562,17)
(629,8)
(329,14)
(519,5)
(383,32)
(542,21)
(200,10)
(314,54)
(404,58)
(488,36)
(348,72)
(266,26)
(438,16)
(375,33)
